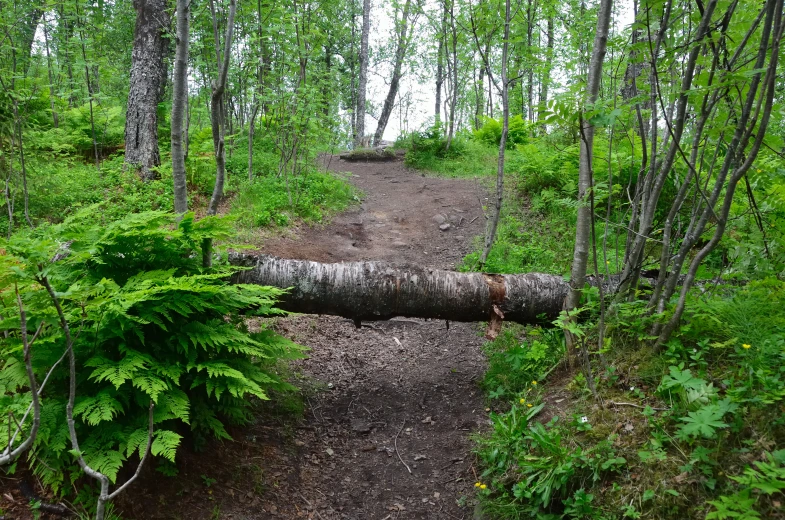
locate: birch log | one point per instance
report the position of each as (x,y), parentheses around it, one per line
(379,291)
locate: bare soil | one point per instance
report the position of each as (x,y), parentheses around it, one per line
(390,407)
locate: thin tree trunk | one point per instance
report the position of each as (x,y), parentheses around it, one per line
(89,92)
(217,106)
(179,99)
(545,82)
(148,74)
(55,121)
(437,117)
(583,226)
(363,81)
(400,54)
(454,67)
(493,224)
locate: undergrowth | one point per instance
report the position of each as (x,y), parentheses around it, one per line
(149,325)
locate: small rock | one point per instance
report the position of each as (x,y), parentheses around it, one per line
(330,452)
(420,457)
(399,244)
(299,443)
(439,219)
(360,426)
(445,226)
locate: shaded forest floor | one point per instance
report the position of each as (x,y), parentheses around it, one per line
(389,408)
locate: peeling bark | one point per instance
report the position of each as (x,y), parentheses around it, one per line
(379,291)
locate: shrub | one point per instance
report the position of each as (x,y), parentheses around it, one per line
(518,131)
(149,325)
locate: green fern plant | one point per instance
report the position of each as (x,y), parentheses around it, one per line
(149,323)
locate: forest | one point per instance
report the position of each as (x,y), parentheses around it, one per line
(352,259)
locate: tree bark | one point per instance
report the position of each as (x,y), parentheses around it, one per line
(378,291)
(400,54)
(545,82)
(363,81)
(217,106)
(437,112)
(148,74)
(583,225)
(493,224)
(179,98)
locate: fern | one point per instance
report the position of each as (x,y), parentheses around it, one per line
(154,326)
(94,410)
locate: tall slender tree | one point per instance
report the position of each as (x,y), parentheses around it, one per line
(362,84)
(179,102)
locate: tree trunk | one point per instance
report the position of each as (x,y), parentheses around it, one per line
(377,291)
(147,76)
(400,54)
(583,226)
(493,224)
(55,122)
(545,82)
(437,116)
(179,98)
(454,94)
(363,81)
(217,107)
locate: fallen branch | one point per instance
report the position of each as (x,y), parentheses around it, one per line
(395,443)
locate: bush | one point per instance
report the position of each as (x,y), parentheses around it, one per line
(149,325)
(518,131)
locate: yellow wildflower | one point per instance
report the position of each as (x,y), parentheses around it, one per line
(529,405)
(477,484)
(483,486)
(522,400)
(746,346)
(534,383)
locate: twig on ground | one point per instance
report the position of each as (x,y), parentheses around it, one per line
(472,220)
(395,442)
(636,406)
(310,505)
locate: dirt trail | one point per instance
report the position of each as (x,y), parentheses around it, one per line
(385,436)
(407,379)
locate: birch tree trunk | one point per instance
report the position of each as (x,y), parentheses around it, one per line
(363,81)
(437,117)
(400,54)
(583,226)
(217,106)
(179,98)
(147,77)
(545,82)
(378,291)
(490,234)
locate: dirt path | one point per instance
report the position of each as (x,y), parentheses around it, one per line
(385,436)
(412,380)
(399,220)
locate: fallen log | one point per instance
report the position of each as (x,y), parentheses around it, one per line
(370,154)
(379,291)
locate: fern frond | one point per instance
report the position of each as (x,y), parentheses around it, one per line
(93,410)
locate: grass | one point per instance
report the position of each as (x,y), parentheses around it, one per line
(60,185)
(275,201)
